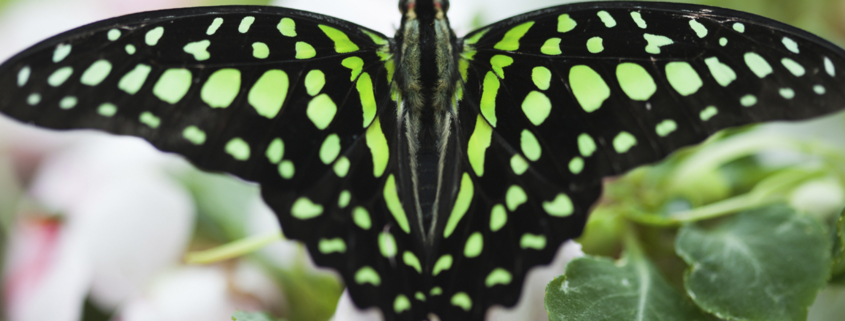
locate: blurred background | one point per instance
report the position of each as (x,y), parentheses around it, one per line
(95,227)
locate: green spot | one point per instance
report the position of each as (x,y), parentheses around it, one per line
(723,41)
(463,66)
(199,49)
(394,205)
(519,164)
(107,109)
(327,246)
(542,77)
(488,98)
(532,241)
(819,89)
(314,82)
(173,85)
(683,77)
(498,62)
(376,38)
(828,67)
(795,68)
(536,107)
(436,291)
(623,142)
(576,165)
(739,27)
(565,23)
(387,245)
(221,88)
(260,50)
(476,36)
(510,42)
(551,47)
(130,49)
(275,151)
(33,99)
(787,93)
(23,75)
(341,166)
(268,93)
(595,45)
(343,200)
(498,276)
(304,209)
(321,111)
(411,260)
(666,127)
(515,197)
(238,148)
(378,148)
(287,27)
(462,301)
(757,64)
(58,77)
(95,74)
(708,113)
(748,100)
(194,135)
(588,87)
(286,169)
(655,42)
(561,206)
(62,51)
(474,245)
(462,203)
(401,304)
(586,145)
(498,217)
(215,24)
(113,34)
(419,296)
(304,50)
(342,44)
(368,98)
(530,145)
(361,217)
(367,275)
(607,19)
(478,144)
(442,264)
(723,73)
(68,102)
(638,19)
(635,81)
(790,44)
(354,63)
(330,149)
(152,36)
(700,29)
(246,22)
(147,118)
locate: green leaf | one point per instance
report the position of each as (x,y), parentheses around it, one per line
(251,316)
(838,266)
(762,264)
(596,288)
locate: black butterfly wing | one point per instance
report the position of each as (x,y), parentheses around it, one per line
(556,99)
(296,101)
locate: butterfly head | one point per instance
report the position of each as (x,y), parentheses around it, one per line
(423,7)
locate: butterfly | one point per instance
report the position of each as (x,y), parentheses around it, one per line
(431,171)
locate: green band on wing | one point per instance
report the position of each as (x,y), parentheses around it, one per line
(462,203)
(394,205)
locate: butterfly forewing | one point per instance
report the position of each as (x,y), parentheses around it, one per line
(558,98)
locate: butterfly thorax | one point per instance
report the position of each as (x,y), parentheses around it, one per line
(425,79)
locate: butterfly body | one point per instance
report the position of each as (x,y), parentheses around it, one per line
(431,171)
